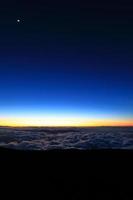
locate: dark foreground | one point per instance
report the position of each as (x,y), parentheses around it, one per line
(67,174)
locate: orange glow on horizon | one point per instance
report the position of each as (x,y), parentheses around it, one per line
(57,122)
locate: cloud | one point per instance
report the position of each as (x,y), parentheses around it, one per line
(67,138)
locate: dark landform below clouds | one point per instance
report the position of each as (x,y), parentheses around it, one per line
(66,138)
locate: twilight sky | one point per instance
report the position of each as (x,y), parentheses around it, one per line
(66,62)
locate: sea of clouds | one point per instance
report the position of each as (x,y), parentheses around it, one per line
(67,138)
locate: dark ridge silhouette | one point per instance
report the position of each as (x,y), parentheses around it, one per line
(75,174)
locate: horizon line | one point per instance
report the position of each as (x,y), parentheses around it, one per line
(61,126)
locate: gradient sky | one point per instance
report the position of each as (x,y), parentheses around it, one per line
(66,62)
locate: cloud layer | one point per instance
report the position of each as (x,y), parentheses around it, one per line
(67,138)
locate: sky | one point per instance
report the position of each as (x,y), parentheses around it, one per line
(66,62)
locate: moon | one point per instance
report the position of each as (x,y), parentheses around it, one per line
(18,20)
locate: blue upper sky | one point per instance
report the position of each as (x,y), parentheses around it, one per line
(67,59)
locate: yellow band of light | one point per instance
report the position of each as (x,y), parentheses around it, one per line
(50,121)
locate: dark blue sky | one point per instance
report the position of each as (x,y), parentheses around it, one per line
(69,57)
